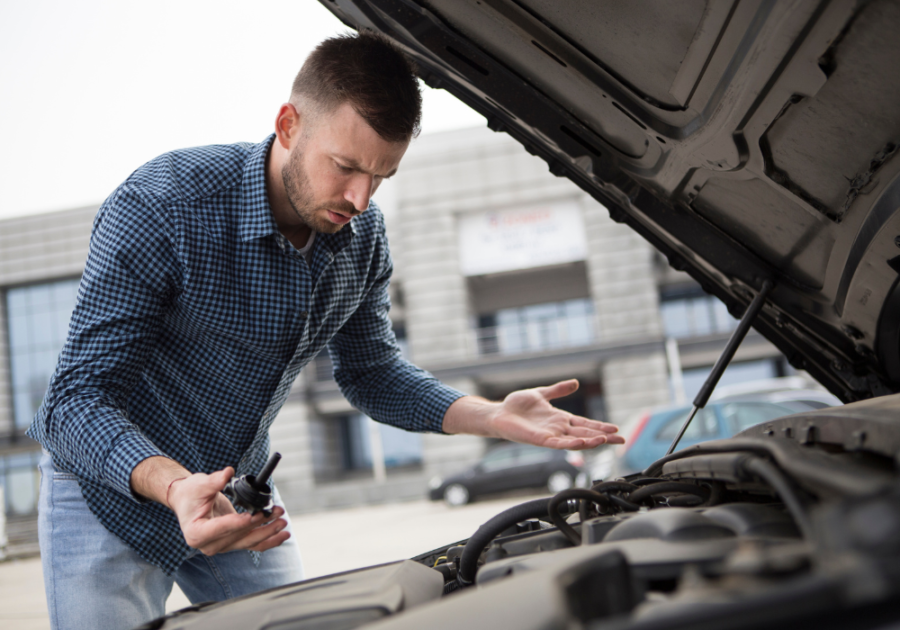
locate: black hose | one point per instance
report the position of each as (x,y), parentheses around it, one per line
(609,487)
(468,561)
(646,481)
(614,486)
(625,505)
(572,493)
(665,487)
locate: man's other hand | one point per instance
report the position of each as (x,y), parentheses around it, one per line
(527,416)
(208,520)
(210,523)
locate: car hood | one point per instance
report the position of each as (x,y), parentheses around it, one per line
(745,140)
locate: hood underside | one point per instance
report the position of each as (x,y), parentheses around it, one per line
(745,140)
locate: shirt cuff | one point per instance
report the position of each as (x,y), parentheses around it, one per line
(128,450)
(433,407)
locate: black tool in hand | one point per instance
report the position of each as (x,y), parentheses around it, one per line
(252,492)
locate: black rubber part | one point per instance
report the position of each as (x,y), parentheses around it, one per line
(665,487)
(468,562)
(572,493)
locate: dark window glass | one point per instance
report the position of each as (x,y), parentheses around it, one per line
(535,455)
(20,481)
(399,447)
(38,319)
(500,459)
(694,314)
(537,327)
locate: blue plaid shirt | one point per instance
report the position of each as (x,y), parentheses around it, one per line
(192,322)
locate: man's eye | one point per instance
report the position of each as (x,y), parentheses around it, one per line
(344,169)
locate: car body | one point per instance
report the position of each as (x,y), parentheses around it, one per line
(752,143)
(651,434)
(510,467)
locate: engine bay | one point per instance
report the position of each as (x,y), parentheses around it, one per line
(796,521)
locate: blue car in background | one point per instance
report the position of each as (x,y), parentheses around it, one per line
(649,436)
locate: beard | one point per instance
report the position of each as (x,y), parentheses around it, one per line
(302,200)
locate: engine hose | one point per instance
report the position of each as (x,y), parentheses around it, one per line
(665,487)
(646,481)
(627,506)
(614,486)
(573,493)
(609,487)
(468,561)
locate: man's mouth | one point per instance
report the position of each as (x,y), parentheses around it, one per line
(340,219)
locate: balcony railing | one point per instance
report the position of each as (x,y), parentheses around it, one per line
(534,336)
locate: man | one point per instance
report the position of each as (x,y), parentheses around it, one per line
(214,275)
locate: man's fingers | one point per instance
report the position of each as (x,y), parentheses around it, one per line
(201,533)
(246,539)
(575,443)
(272,541)
(558,390)
(596,425)
(225,532)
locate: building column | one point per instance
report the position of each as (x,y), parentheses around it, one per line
(633,383)
(447,454)
(290,436)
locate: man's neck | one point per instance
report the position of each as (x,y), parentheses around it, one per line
(283,214)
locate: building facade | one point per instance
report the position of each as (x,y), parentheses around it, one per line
(505,277)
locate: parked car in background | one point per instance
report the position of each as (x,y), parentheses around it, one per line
(511,467)
(733,410)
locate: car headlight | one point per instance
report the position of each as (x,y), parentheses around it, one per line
(435,483)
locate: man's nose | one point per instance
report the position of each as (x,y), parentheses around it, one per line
(359,191)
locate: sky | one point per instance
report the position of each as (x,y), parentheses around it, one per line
(93,89)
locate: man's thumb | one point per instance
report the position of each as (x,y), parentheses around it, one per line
(558,390)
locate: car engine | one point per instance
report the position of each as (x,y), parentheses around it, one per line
(796,521)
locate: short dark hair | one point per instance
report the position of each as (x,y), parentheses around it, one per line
(370,73)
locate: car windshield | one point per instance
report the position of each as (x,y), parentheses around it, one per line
(703,426)
(499,459)
(743,415)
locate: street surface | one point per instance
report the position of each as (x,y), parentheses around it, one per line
(330,542)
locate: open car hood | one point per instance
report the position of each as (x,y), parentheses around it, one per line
(745,140)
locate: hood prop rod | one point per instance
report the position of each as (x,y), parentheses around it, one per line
(725,358)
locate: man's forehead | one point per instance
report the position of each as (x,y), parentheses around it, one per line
(349,138)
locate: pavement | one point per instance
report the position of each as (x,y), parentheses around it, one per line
(330,542)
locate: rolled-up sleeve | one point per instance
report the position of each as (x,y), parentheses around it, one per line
(132,272)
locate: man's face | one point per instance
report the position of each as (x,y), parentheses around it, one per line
(335,167)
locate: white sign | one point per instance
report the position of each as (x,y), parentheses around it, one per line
(521,238)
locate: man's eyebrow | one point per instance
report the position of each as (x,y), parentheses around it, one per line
(351,163)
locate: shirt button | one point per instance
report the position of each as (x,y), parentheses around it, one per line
(304,314)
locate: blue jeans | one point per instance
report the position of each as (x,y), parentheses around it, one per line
(94,580)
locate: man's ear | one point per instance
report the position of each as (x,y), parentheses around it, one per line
(287,125)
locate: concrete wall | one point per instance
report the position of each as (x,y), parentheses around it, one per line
(443,176)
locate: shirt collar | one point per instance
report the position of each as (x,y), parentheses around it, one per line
(256,214)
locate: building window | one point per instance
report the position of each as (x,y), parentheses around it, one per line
(694,314)
(537,327)
(38,319)
(20,480)
(399,447)
(323,368)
